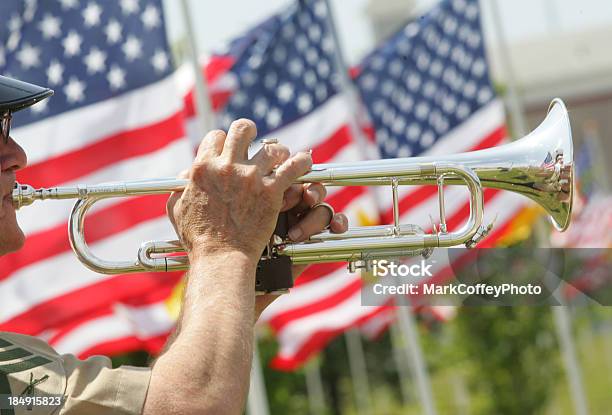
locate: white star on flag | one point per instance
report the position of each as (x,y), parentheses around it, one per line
(40,106)
(274,118)
(160,61)
(129,6)
(29,56)
(116,78)
(55,73)
(91,14)
(74,90)
(69,4)
(50,26)
(113,32)
(150,17)
(14,23)
(285,92)
(132,48)
(72,44)
(304,103)
(95,60)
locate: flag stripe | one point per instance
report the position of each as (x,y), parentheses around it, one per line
(100,224)
(127,144)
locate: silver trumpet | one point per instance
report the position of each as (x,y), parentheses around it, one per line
(539,166)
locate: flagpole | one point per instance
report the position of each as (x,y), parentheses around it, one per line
(590,133)
(359,372)
(314,387)
(415,354)
(561,316)
(202,98)
(347,87)
(257,403)
(515,106)
(403,367)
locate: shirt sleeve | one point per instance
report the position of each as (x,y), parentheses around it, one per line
(30,367)
(94,387)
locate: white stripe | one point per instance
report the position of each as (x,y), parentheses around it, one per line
(164,162)
(147,320)
(45,280)
(79,128)
(92,333)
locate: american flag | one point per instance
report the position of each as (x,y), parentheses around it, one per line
(428,92)
(115,115)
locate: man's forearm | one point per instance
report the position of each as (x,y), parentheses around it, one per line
(210,358)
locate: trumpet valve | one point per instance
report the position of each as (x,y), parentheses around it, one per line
(365,264)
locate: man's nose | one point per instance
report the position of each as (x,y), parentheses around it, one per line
(14,157)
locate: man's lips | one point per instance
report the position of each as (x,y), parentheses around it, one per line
(7,194)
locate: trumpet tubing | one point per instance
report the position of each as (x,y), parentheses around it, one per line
(538,166)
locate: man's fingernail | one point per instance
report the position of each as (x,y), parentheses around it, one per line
(295,234)
(339,220)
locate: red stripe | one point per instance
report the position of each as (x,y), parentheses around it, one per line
(332,145)
(493,139)
(342,198)
(99,225)
(153,345)
(418,196)
(328,300)
(316,271)
(88,299)
(104,153)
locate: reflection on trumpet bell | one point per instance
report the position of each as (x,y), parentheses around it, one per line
(538,166)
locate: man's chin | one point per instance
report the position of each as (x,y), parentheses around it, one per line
(11,241)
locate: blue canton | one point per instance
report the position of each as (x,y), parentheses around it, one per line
(87,51)
(427,79)
(288,71)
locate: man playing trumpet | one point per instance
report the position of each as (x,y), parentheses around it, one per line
(224,218)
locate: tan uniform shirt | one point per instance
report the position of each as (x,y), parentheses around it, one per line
(29,367)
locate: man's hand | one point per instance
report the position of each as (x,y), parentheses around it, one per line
(231,203)
(298,200)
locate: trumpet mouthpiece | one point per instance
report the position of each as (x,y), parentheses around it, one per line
(23,195)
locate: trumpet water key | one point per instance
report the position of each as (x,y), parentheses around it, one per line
(538,166)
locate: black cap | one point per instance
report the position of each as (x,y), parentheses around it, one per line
(16,95)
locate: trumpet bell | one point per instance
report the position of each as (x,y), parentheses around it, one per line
(542,165)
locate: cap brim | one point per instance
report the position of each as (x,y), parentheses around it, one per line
(16,95)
